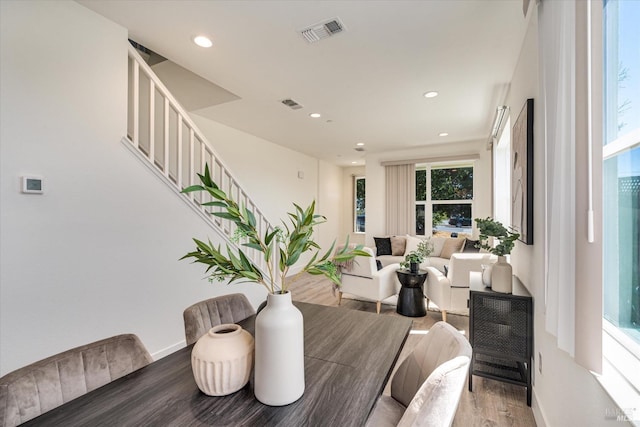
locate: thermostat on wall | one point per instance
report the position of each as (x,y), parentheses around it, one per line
(32,184)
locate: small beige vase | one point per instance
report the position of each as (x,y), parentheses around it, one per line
(222,360)
(502,276)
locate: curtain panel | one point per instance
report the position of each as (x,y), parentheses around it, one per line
(557,44)
(400,196)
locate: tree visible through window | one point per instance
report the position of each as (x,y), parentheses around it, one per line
(450,198)
(452,184)
(359,204)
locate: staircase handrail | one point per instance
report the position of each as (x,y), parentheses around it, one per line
(227,181)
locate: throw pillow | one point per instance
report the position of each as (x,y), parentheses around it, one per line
(398,244)
(438,243)
(378,265)
(450,246)
(383,245)
(470,246)
(411,243)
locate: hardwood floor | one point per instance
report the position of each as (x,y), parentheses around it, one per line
(492,403)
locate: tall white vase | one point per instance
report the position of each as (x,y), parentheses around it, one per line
(279,358)
(502,276)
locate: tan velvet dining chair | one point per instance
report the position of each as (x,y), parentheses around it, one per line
(204,315)
(44,385)
(428,385)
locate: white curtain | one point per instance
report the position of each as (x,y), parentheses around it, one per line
(400,193)
(556,33)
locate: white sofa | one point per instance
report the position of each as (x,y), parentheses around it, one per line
(443,247)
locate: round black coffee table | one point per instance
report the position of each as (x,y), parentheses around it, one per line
(411,297)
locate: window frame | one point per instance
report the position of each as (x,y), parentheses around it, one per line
(355,205)
(429,202)
(501,157)
(621,352)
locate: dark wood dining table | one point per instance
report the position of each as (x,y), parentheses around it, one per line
(349,356)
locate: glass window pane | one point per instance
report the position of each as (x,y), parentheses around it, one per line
(421,185)
(359,205)
(448,219)
(419,220)
(621,241)
(621,68)
(452,184)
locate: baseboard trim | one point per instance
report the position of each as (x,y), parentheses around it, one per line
(168,350)
(538,414)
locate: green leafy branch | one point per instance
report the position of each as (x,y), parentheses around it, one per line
(286,243)
(488,227)
(423,250)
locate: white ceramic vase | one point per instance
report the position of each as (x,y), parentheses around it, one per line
(502,276)
(279,368)
(222,359)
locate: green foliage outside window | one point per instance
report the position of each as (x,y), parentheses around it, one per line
(452,184)
(421,185)
(360,205)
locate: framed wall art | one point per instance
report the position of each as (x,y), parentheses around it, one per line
(522,174)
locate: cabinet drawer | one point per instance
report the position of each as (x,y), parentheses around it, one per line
(501,324)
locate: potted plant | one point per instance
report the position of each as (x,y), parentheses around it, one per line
(289,241)
(279,326)
(414,258)
(501,272)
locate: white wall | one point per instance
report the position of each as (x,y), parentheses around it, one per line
(330,204)
(264,169)
(375,172)
(97,253)
(564,392)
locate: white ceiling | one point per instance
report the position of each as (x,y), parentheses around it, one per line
(367,82)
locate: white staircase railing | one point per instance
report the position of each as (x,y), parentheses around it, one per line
(170,143)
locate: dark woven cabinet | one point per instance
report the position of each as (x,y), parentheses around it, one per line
(501,334)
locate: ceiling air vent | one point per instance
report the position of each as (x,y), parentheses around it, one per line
(322,30)
(291,104)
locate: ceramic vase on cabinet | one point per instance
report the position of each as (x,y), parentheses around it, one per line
(222,359)
(279,367)
(502,276)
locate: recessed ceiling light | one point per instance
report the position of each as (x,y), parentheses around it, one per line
(360,144)
(315,115)
(431,94)
(443,134)
(203,41)
(354,163)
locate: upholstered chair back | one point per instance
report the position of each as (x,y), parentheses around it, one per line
(47,384)
(436,401)
(441,344)
(362,266)
(204,315)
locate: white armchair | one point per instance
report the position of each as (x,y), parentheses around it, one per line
(451,292)
(362,278)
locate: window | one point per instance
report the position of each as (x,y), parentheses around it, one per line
(359,204)
(621,174)
(444,199)
(502,168)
